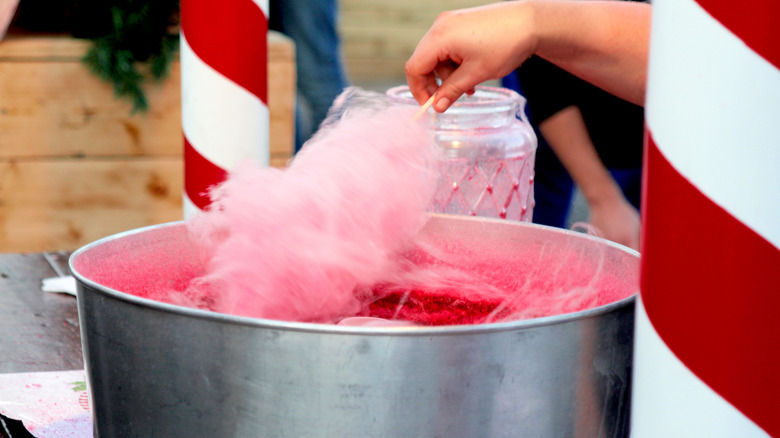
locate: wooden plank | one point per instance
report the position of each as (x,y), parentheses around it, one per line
(65,204)
(378,43)
(40,330)
(390,69)
(37,48)
(379,36)
(51,106)
(76,166)
(410,18)
(56,109)
(281,97)
(280,46)
(373,56)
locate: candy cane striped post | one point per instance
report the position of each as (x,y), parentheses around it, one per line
(224,91)
(707,347)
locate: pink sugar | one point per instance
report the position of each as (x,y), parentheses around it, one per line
(440,281)
(158,264)
(456,281)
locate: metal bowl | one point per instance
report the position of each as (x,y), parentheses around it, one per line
(160,370)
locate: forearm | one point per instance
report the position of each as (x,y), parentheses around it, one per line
(568,137)
(610,212)
(603,42)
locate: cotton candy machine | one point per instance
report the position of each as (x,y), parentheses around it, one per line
(161,370)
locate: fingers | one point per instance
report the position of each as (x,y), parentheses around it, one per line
(432,61)
(420,72)
(455,81)
(443,63)
(459,81)
(444,69)
(422,86)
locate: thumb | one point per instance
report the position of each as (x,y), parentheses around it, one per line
(460,81)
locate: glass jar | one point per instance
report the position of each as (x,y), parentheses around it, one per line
(489,149)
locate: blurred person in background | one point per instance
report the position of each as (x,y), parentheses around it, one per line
(312,25)
(588,137)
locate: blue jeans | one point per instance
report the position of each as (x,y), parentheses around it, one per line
(311,24)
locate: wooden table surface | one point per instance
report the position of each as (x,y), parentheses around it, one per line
(40,330)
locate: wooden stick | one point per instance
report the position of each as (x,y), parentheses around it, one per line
(424,108)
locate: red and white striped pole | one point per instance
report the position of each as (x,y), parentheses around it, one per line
(707,347)
(224,91)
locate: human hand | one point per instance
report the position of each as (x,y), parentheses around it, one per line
(618,220)
(466,47)
(7,9)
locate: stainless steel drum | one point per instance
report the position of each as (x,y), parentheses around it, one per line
(159,370)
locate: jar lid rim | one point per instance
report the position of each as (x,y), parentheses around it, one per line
(484,96)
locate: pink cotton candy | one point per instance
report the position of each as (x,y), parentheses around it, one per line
(294,244)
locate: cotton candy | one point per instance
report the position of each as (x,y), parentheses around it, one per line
(294,244)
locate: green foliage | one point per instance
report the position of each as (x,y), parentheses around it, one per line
(79,386)
(138,44)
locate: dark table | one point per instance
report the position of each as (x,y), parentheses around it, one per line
(40,330)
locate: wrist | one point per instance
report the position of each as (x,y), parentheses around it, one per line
(603,194)
(544,21)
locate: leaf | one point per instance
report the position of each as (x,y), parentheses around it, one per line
(79,386)
(139,39)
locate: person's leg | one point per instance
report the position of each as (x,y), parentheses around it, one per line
(312,25)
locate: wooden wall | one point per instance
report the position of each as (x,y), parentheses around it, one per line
(378,36)
(76,166)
